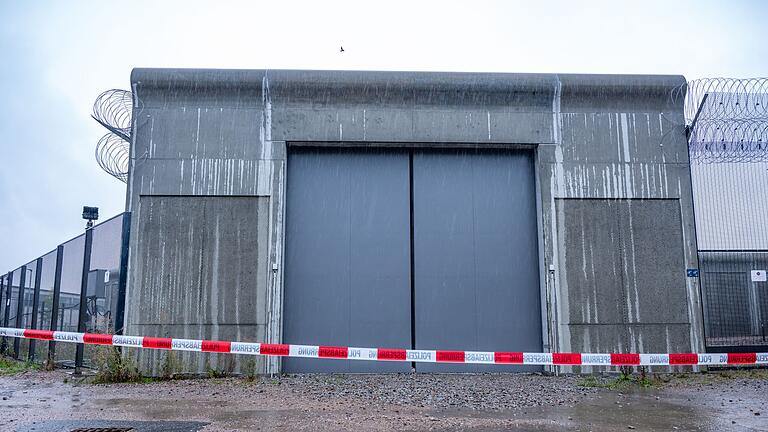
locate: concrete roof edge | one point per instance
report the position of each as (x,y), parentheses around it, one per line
(169,77)
(153,82)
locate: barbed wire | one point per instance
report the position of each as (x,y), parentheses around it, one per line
(112,154)
(725,98)
(715,140)
(726,119)
(113,109)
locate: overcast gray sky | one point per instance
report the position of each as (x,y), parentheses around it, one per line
(56,57)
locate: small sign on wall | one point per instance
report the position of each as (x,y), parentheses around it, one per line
(759,276)
(692,273)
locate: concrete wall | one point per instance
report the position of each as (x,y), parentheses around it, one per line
(216,133)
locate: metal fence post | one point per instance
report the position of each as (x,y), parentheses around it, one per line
(8,289)
(83,297)
(55,306)
(2,305)
(35,300)
(121,284)
(19,311)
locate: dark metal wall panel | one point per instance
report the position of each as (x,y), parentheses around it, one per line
(2,299)
(476,271)
(347,279)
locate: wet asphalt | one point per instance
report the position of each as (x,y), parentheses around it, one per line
(729,400)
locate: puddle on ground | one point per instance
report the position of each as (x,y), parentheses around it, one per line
(135,426)
(611,412)
(217,411)
(700,409)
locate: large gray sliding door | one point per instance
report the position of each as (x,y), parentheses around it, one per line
(355,217)
(347,279)
(475,254)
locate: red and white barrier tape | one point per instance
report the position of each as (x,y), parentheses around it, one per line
(387,354)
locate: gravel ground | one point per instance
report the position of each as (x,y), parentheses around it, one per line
(469,391)
(714,401)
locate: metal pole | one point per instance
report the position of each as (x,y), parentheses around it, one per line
(35,300)
(700,282)
(123,279)
(19,311)
(690,128)
(55,306)
(8,288)
(2,304)
(82,316)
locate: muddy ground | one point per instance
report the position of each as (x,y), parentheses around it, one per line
(726,400)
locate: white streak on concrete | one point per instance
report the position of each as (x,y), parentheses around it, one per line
(264,178)
(214,290)
(629,178)
(489,125)
(265,133)
(181,175)
(197,135)
(556,119)
(152,136)
(559,190)
(634,265)
(625,136)
(648,123)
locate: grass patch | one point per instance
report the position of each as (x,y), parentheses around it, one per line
(13,367)
(216,373)
(742,373)
(171,366)
(622,382)
(591,382)
(249,368)
(115,368)
(716,376)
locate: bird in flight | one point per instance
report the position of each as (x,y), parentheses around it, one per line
(342,49)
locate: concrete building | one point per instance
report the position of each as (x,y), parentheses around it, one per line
(520,212)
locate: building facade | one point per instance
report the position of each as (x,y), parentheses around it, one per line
(519,212)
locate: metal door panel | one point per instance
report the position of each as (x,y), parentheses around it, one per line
(475,254)
(347,280)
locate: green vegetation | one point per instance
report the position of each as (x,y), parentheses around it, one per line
(249,370)
(171,365)
(13,367)
(216,373)
(115,368)
(714,376)
(624,381)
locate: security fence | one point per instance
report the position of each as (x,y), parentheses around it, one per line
(60,292)
(727,125)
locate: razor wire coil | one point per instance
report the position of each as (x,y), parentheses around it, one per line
(726,119)
(113,109)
